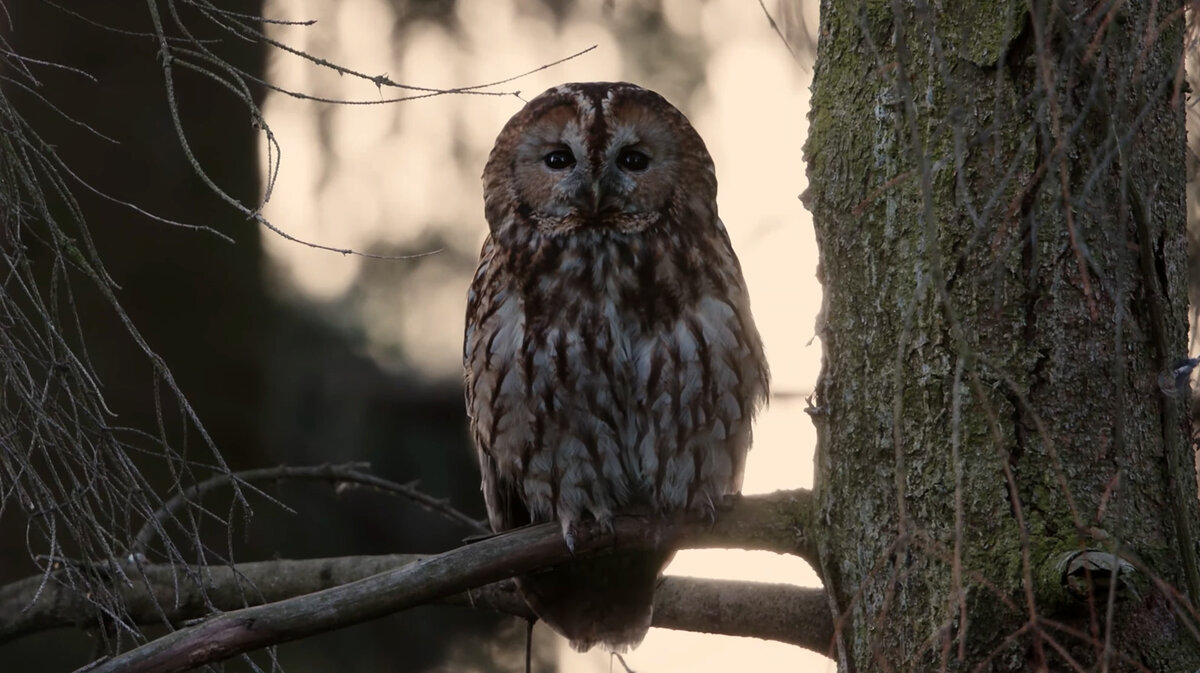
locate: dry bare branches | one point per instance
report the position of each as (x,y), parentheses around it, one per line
(783,612)
(752,523)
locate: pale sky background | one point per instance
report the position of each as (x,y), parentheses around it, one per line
(358,176)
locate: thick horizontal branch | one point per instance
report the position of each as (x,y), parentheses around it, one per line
(783,522)
(156,594)
(772,522)
(164,593)
(784,612)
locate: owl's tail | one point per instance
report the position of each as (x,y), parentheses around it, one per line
(606,599)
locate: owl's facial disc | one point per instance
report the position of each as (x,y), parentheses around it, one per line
(574,185)
(597,190)
(600,157)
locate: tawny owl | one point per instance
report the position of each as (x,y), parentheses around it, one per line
(612,364)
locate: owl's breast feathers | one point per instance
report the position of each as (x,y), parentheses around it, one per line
(607,374)
(608,377)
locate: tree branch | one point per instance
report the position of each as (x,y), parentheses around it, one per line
(169,594)
(783,522)
(784,612)
(760,522)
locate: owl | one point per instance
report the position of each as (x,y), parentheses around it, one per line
(612,364)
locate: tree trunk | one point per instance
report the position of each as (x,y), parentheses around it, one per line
(998,195)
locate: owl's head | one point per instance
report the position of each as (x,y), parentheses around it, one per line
(598,156)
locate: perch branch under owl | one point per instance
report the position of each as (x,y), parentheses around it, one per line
(773,611)
(758,522)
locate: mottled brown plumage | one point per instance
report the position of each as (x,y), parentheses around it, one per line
(612,364)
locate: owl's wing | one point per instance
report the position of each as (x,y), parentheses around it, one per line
(494,333)
(502,497)
(476,298)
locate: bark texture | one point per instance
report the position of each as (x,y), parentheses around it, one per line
(998,192)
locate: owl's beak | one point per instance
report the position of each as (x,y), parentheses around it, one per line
(588,197)
(596,193)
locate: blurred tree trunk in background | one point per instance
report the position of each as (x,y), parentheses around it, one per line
(198,300)
(998,189)
(272,383)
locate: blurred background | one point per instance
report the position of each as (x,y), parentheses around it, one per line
(296,355)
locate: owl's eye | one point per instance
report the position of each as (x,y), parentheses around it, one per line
(559,160)
(633,160)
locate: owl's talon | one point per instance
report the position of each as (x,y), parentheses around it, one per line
(569,536)
(711,510)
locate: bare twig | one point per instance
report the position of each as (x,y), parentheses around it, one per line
(344,474)
(775,27)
